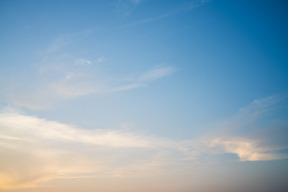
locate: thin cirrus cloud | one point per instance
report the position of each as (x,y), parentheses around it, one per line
(142,80)
(61,76)
(76,83)
(35,150)
(128,8)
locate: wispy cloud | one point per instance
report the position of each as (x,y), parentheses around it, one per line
(147,20)
(149,76)
(61,76)
(66,40)
(156,73)
(248,133)
(182,7)
(247,150)
(34,149)
(83,62)
(136,1)
(77,82)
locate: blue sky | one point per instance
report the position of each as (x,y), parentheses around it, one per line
(140,93)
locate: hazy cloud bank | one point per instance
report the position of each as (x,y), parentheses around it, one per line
(34,149)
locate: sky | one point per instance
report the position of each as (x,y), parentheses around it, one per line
(143,95)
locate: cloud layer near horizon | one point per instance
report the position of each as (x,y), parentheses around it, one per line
(34,149)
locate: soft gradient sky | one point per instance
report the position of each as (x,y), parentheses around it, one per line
(143,95)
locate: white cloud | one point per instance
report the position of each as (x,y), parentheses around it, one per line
(248,133)
(141,81)
(62,75)
(247,150)
(156,73)
(34,150)
(57,84)
(83,62)
(43,129)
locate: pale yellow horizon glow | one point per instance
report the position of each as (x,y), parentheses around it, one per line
(41,155)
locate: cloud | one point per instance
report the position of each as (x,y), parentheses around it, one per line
(61,76)
(57,85)
(66,40)
(205,1)
(247,150)
(141,81)
(255,133)
(129,8)
(83,62)
(147,20)
(156,73)
(34,150)
(136,1)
